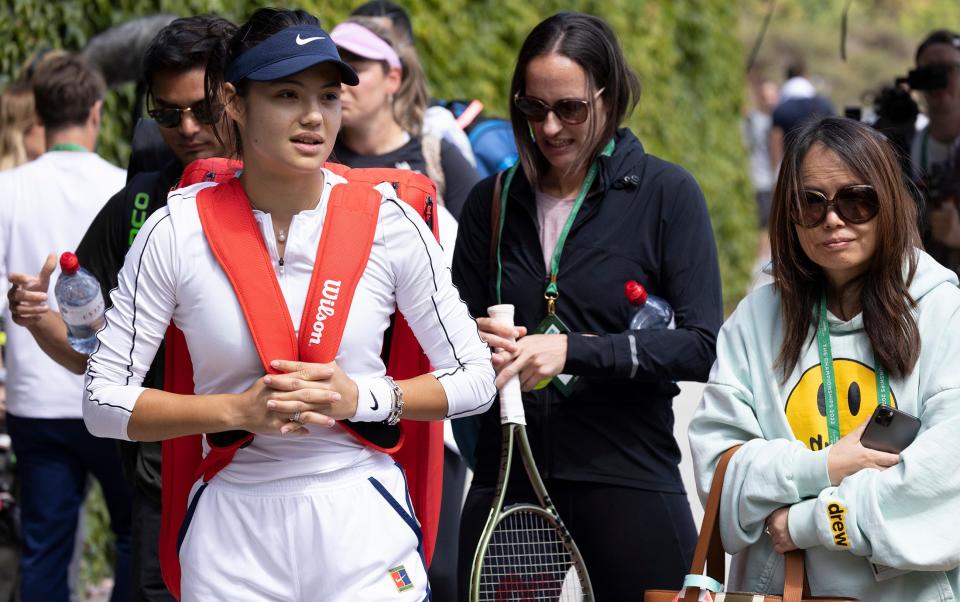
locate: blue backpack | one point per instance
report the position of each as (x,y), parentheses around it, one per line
(491,138)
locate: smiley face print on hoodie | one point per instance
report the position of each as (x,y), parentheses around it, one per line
(806,408)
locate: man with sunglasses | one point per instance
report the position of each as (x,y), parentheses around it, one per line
(174,67)
(934,148)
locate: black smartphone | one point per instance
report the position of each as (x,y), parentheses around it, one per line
(890,430)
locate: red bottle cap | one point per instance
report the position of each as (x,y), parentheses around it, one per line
(636,294)
(69,263)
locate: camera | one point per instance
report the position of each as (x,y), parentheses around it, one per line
(931,77)
(884,416)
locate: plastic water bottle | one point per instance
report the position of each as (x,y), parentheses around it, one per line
(81,304)
(652,312)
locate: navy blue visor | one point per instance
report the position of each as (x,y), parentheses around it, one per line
(287,52)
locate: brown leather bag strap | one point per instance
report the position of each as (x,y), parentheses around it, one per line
(709,551)
(495,220)
(795,586)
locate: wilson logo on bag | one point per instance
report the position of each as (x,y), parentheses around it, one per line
(325,309)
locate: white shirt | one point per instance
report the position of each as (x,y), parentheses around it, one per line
(45,207)
(927,152)
(170,272)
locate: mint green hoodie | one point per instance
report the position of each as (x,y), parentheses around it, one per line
(906,517)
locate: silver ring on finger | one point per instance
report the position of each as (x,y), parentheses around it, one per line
(296,417)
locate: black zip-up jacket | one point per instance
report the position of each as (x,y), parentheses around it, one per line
(645,219)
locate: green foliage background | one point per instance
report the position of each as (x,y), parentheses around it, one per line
(689,63)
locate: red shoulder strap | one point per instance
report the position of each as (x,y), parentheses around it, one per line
(348,230)
(234,238)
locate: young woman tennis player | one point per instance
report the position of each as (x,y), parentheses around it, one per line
(306,511)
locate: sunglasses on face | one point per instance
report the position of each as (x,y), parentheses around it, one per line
(854,204)
(170,117)
(568,110)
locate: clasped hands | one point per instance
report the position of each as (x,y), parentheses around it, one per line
(302,394)
(533,358)
(844,458)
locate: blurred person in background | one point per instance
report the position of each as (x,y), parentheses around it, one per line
(437,121)
(857,316)
(586,191)
(799,103)
(934,148)
(21,136)
(21,139)
(174,67)
(383,114)
(47,204)
(757,125)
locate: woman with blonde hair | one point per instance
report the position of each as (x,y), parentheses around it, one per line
(21,137)
(383,114)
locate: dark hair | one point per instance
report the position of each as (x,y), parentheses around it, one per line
(262,24)
(940,36)
(185,44)
(797,67)
(592,44)
(390,10)
(884,296)
(65,88)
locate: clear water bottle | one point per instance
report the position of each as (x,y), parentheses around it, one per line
(652,312)
(81,304)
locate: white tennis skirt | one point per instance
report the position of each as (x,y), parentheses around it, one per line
(346,536)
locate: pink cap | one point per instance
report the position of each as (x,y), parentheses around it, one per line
(359,40)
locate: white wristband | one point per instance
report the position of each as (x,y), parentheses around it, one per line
(374,401)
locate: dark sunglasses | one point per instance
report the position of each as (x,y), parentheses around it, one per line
(854,204)
(169,117)
(568,110)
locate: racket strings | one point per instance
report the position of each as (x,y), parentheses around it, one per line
(528,561)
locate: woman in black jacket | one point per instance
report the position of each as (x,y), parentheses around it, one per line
(585,212)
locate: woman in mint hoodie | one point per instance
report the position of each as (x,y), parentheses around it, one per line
(875,526)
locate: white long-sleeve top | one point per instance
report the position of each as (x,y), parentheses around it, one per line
(171,273)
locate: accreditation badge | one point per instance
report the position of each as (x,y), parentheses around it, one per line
(565,383)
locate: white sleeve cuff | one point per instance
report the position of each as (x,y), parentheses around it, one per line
(110,420)
(810,473)
(802,526)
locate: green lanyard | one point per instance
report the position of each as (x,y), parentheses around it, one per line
(924,149)
(829,381)
(67,146)
(552,292)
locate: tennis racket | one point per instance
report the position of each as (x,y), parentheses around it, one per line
(525,553)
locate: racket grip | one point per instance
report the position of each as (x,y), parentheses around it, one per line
(511,400)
